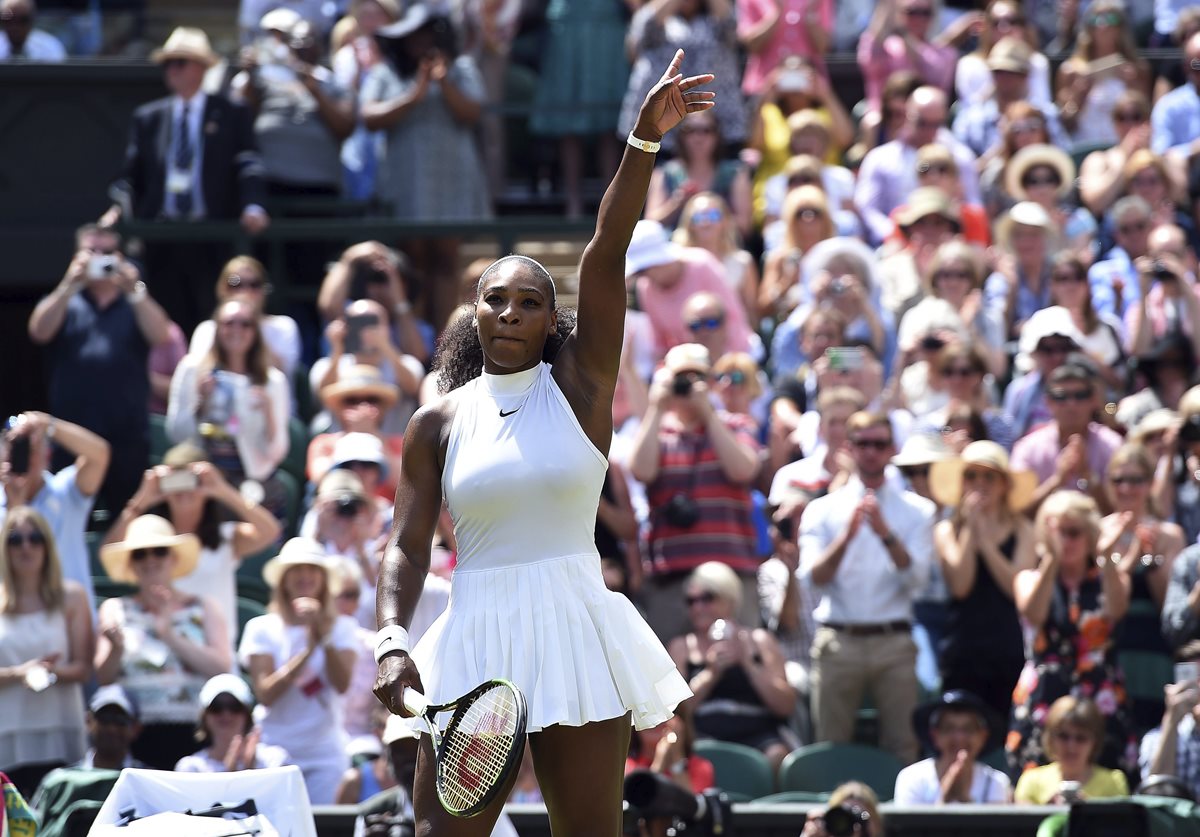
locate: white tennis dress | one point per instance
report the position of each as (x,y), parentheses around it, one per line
(527,599)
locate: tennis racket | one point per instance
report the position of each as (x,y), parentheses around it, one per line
(481,746)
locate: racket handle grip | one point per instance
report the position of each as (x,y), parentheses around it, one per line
(414,701)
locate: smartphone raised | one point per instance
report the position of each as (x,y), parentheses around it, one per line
(355,323)
(1188,673)
(18,455)
(177,482)
(845,358)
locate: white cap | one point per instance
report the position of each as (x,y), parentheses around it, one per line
(226,684)
(113,695)
(279,20)
(649,247)
(399,728)
(359,447)
(1048,322)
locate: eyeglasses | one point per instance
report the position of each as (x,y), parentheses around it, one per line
(1128,116)
(1055,348)
(34,538)
(1131,479)
(809,214)
(236,322)
(736,377)
(228,707)
(1080,395)
(707,323)
(712,215)
(918,11)
(974,475)
(959,372)
(872,444)
(933,168)
(155,551)
(370,400)
(700,598)
(235,281)
(1044,180)
(1106,19)
(1067,276)
(914,471)
(1075,737)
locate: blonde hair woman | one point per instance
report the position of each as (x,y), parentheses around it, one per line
(1072,741)
(806,223)
(706,222)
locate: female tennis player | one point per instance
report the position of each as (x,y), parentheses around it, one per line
(518,448)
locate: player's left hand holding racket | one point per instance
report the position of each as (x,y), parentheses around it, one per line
(482,743)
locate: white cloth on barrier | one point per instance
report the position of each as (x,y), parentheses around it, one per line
(278,793)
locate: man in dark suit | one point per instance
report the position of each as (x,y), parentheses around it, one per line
(191,156)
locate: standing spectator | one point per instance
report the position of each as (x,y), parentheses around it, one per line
(806,220)
(898,38)
(771,32)
(350,528)
(865,549)
(190,157)
(963,369)
(1075,603)
(45,641)
(707,222)
(226,732)
(19,40)
(936,167)
(1102,173)
(63,499)
(1114,281)
(697,465)
(300,657)
(1019,287)
(704,29)
(1171,748)
(159,643)
(584,75)
(1073,737)
(927,221)
(829,465)
(973,77)
(373,457)
(1072,450)
(98,326)
(1045,175)
(1102,334)
(1047,340)
(1168,303)
(1175,120)
(981,548)
(427,95)
(1023,125)
(488,28)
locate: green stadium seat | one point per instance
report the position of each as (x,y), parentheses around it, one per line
(820,768)
(291,489)
(159,443)
(93,541)
(106,588)
(250,583)
(997,759)
(302,394)
(1080,152)
(742,772)
(295,461)
(247,609)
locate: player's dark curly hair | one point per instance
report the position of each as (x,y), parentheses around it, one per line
(459,356)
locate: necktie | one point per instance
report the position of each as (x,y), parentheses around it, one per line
(184,154)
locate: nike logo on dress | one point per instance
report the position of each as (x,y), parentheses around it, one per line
(509,413)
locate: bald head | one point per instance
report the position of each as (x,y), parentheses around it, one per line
(16,21)
(926,113)
(1167,237)
(367,306)
(703,305)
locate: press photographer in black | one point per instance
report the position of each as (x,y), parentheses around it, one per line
(853,811)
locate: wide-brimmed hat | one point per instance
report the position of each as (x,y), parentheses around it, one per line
(926,201)
(147,532)
(961,699)
(359,447)
(279,20)
(360,379)
(414,17)
(946,477)
(649,247)
(226,684)
(1011,55)
(1027,214)
(301,552)
(688,357)
(188,43)
(922,449)
(1039,154)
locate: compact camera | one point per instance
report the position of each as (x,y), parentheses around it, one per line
(681,511)
(102,266)
(347,506)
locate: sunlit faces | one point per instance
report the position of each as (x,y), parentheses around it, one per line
(515,315)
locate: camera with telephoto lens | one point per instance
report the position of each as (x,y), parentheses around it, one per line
(847,820)
(681,511)
(347,506)
(650,795)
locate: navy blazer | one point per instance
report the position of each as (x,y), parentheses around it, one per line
(231,171)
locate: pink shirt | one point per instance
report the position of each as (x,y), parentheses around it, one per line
(790,36)
(935,64)
(1039,449)
(701,272)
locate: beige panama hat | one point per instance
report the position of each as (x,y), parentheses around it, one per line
(946,476)
(147,532)
(188,43)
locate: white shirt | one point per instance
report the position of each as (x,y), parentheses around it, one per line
(918,784)
(196,134)
(868,587)
(39,46)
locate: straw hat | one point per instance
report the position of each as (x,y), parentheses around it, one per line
(925,201)
(361,379)
(188,43)
(301,552)
(946,477)
(1010,55)
(1039,154)
(146,532)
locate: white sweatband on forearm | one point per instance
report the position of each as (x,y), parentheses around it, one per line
(390,638)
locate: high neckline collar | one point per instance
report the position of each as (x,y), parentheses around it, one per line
(512,383)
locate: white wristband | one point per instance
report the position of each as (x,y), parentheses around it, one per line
(643,145)
(390,638)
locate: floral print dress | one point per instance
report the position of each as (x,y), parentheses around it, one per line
(1074,653)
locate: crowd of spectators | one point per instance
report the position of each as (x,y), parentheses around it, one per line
(908,401)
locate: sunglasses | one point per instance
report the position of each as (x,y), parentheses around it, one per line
(809,214)
(1026,126)
(1147,180)
(1107,19)
(803,180)
(1060,396)
(698,130)
(919,11)
(934,168)
(34,538)
(350,595)
(1068,276)
(24,20)
(953,274)
(712,215)
(913,471)
(927,124)
(360,463)
(872,444)
(1070,532)
(236,322)
(700,598)
(236,281)
(155,551)
(706,323)
(1044,180)
(959,372)
(1008,21)
(1129,480)
(1128,116)
(113,719)
(1055,348)
(227,707)
(175,63)
(1132,228)
(737,377)
(974,476)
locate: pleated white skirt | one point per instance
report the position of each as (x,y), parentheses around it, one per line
(578,651)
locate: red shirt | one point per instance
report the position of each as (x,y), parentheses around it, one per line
(700,770)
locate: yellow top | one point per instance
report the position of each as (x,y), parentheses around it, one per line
(1040,785)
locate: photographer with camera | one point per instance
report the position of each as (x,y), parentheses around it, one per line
(698,465)
(1168,303)
(98,326)
(852,811)
(349,526)
(1173,747)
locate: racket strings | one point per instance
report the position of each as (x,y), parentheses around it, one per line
(477,751)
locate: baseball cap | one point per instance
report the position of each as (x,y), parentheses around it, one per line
(226,684)
(113,695)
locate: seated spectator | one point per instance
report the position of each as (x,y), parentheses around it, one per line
(359,704)
(706,319)
(1071,451)
(1175,120)
(697,464)
(797,393)
(963,371)
(669,749)
(805,221)
(1102,334)
(981,547)
(918,386)
(160,367)
(809,166)
(973,77)
(1167,281)
(374,774)
(245,279)
(1104,65)
(226,734)
(113,724)
(1046,175)
(20,41)
(300,657)
(700,166)
(359,403)
(958,726)
(1019,287)
(1022,125)
(1178,481)
(361,337)
(1072,740)
(977,126)
(1169,749)
(1102,173)
(736,673)
(1114,280)
(927,220)
(955,275)
(1075,607)
(160,644)
(371,270)
(857,799)
(865,549)
(1164,372)
(666,274)
(63,499)
(738,384)
(1047,340)
(857,368)
(45,640)
(1150,177)
(231,401)
(899,37)
(937,168)
(878,127)
(190,492)
(706,223)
